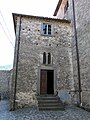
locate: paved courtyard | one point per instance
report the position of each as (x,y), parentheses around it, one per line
(70,113)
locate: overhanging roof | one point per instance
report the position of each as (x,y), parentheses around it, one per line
(39,18)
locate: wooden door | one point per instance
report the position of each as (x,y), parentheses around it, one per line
(43,85)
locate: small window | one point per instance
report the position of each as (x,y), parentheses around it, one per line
(49,58)
(66,7)
(44,58)
(46,29)
(49,29)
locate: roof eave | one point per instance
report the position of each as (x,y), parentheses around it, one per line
(40,17)
(13,16)
(57,8)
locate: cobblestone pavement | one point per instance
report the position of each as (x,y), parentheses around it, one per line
(70,113)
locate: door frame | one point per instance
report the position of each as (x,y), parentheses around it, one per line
(39,77)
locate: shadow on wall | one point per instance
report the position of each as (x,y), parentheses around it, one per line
(0,96)
(4,95)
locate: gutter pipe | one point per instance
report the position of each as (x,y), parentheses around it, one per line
(77,52)
(17,58)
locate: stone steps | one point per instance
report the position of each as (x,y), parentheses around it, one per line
(50,108)
(49,103)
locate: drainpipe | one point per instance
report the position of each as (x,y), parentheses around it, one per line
(77,52)
(17,58)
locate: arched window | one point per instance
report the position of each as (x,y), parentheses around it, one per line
(44,58)
(49,58)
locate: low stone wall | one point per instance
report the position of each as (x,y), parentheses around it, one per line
(5,83)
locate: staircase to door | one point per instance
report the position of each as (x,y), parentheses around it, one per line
(49,102)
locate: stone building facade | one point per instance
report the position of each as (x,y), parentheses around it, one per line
(82,33)
(43,59)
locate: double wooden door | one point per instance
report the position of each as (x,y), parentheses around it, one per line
(47,82)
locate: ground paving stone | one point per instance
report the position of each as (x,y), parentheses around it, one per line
(70,113)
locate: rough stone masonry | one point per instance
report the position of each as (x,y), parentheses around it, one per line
(5,84)
(82,23)
(30,58)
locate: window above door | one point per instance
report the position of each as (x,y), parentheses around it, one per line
(47,29)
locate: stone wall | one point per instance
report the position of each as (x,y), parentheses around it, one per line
(83,34)
(83,29)
(32,46)
(5,83)
(83,37)
(82,15)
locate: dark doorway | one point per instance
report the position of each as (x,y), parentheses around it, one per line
(47,82)
(50,81)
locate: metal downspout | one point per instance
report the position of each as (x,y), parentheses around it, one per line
(77,52)
(17,58)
